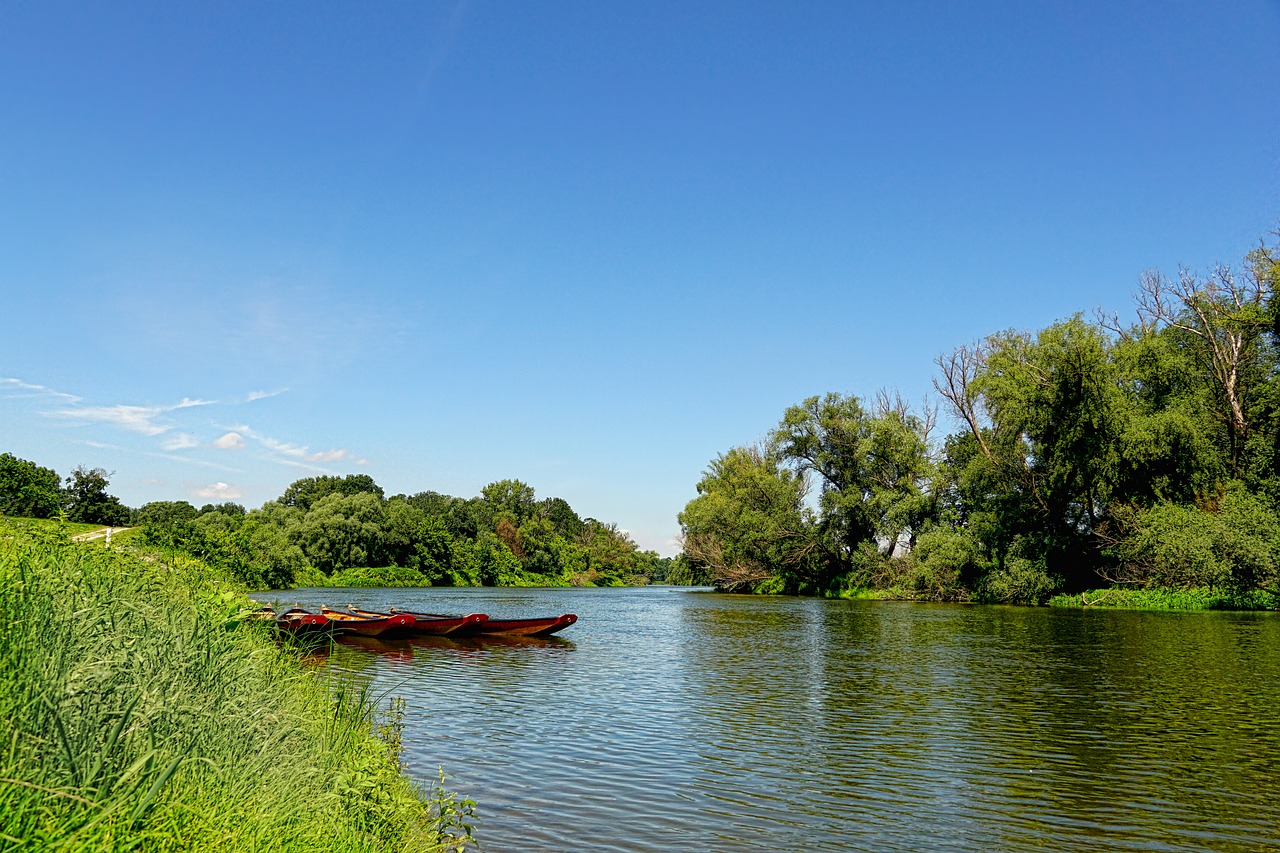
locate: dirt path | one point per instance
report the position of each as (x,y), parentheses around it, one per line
(100,533)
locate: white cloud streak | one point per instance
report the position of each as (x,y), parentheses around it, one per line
(297,455)
(141,419)
(146,420)
(181,441)
(13,386)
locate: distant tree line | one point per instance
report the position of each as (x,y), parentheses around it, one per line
(324,525)
(28,490)
(1091,453)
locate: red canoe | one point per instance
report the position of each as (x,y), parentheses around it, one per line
(295,620)
(543,627)
(528,627)
(369,626)
(438,626)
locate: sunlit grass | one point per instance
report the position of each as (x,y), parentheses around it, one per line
(51,525)
(1169,599)
(141,709)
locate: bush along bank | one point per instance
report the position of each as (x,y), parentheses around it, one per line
(141,708)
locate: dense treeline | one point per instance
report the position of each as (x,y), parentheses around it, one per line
(335,529)
(1090,454)
(332,529)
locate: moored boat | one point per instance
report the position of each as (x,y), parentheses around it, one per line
(540,627)
(438,626)
(369,626)
(544,627)
(295,620)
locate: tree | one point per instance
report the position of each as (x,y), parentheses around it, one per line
(826,437)
(511,496)
(306,492)
(875,468)
(559,513)
(417,541)
(165,513)
(1225,318)
(87,501)
(343,531)
(748,529)
(28,490)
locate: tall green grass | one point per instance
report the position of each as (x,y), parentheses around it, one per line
(1201,598)
(141,710)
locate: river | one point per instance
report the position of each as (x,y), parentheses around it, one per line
(671,720)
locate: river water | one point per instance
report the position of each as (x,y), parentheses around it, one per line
(670,720)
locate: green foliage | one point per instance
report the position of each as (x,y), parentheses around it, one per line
(27,490)
(1233,543)
(341,531)
(85,499)
(133,718)
(749,525)
(943,566)
(305,493)
(1018,581)
(873,467)
(509,496)
(1148,455)
(1196,598)
(452,817)
(685,572)
(365,576)
(164,513)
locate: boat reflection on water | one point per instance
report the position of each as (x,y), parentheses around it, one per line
(402,649)
(395,648)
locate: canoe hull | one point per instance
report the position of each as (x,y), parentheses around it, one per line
(543,627)
(433,626)
(527,627)
(301,622)
(368,626)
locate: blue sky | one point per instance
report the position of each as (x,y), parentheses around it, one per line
(586,245)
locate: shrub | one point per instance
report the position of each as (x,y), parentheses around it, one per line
(1019,581)
(1233,543)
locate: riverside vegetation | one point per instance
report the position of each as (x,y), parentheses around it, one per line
(142,708)
(1099,463)
(344,531)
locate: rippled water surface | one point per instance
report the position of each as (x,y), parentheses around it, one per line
(671,720)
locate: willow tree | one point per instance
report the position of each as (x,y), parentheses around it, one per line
(1045,414)
(874,468)
(748,529)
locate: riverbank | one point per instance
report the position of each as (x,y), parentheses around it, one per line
(141,707)
(1118,598)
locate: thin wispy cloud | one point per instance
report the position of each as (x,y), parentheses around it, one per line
(147,420)
(98,445)
(140,419)
(16,387)
(190,460)
(297,455)
(262,395)
(181,441)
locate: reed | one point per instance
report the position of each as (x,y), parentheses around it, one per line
(142,709)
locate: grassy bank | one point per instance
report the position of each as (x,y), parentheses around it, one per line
(140,709)
(1169,599)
